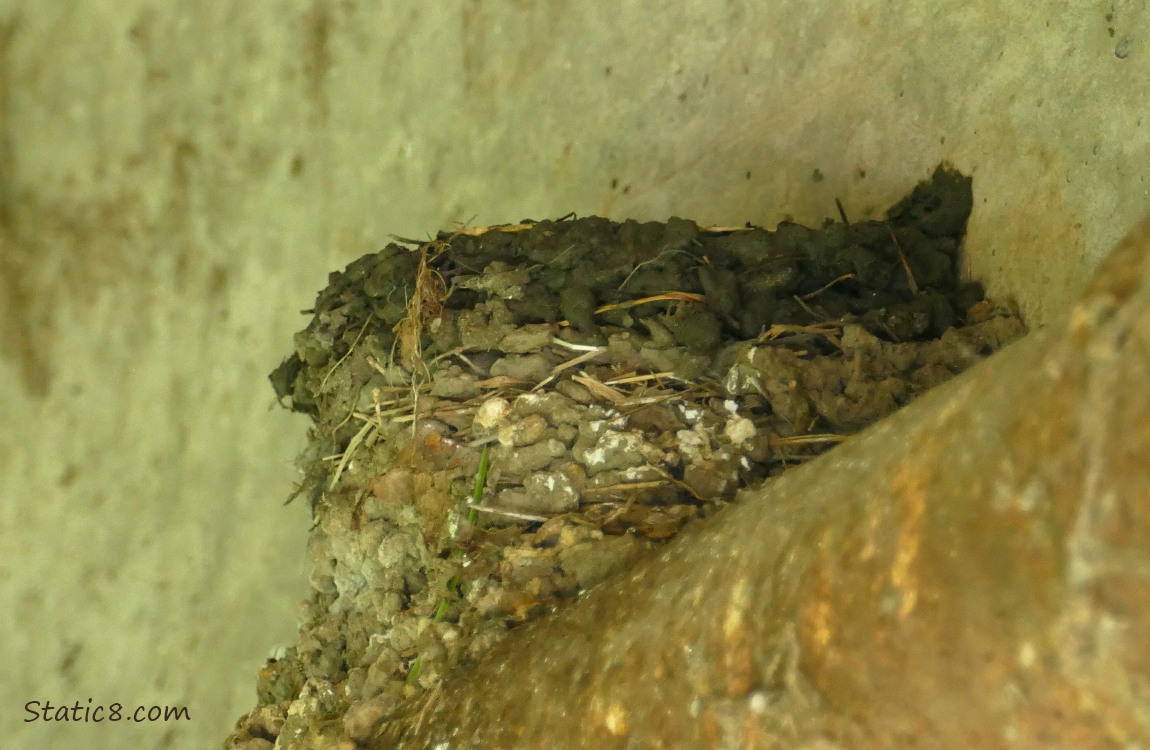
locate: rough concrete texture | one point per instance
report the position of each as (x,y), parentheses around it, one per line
(176,179)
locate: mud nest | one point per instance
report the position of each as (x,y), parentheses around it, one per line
(505,416)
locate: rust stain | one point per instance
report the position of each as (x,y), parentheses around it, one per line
(820,620)
(56,259)
(734,623)
(498,49)
(25,336)
(317,56)
(738,659)
(615,719)
(7,149)
(816,615)
(909,486)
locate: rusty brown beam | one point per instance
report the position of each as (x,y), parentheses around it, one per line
(972,572)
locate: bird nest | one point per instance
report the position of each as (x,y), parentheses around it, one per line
(505,416)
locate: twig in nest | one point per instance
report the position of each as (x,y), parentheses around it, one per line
(664,297)
(352,444)
(501,381)
(726,230)
(474,368)
(807,439)
(390,375)
(826,286)
(457,352)
(670,250)
(842,211)
(618,513)
(826,330)
(602,390)
(568,364)
(576,347)
(678,483)
(633,401)
(429,700)
(624,487)
(351,349)
(405,240)
(477,231)
(658,376)
(508,513)
(905,266)
(806,307)
(425,305)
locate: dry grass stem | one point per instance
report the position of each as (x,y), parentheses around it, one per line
(605,392)
(826,286)
(509,513)
(576,347)
(569,364)
(338,362)
(657,376)
(905,266)
(624,487)
(829,331)
(348,452)
(807,439)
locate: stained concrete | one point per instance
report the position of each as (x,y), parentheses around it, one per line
(176,180)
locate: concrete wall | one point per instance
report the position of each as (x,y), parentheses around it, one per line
(177,178)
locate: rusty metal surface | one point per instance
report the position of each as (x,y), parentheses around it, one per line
(971,572)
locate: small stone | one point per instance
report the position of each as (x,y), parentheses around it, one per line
(617,450)
(255,743)
(395,486)
(454,385)
(555,407)
(567,434)
(363,717)
(529,458)
(739,430)
(521,566)
(574,391)
(591,562)
(552,490)
(313,348)
(528,367)
(537,499)
(491,413)
(657,418)
(268,720)
(485,325)
(525,432)
(710,480)
(528,338)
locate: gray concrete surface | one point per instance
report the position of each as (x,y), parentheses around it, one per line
(177,179)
